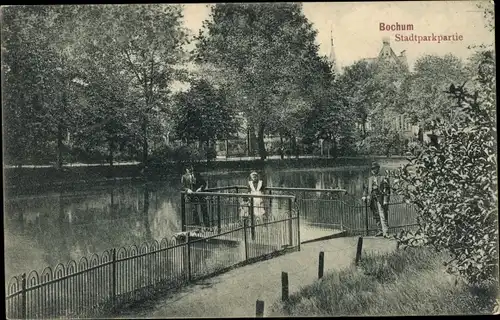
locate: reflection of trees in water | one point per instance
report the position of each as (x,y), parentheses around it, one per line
(164,223)
(68,225)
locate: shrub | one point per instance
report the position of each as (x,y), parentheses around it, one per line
(453,184)
(183,153)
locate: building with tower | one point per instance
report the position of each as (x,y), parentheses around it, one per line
(387,55)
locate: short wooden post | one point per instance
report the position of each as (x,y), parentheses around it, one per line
(358,250)
(321,265)
(290,223)
(284,286)
(183,212)
(188,257)
(252,219)
(23,296)
(259,309)
(218,215)
(245,226)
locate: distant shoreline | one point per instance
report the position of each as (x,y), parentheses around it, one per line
(36,177)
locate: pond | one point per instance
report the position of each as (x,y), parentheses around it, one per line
(52,227)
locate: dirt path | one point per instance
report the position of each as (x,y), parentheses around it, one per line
(234,293)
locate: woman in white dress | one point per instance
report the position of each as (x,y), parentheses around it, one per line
(256,186)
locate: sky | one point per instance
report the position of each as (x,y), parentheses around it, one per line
(355,26)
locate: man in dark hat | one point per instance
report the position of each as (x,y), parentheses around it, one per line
(377,193)
(191,182)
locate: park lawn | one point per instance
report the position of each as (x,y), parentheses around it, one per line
(405,282)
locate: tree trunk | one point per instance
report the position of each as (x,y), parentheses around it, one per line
(335,148)
(363,124)
(144,142)
(282,154)
(207,152)
(295,146)
(248,142)
(261,144)
(59,145)
(145,212)
(111,155)
(112,200)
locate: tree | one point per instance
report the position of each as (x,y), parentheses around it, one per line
(426,97)
(453,183)
(38,80)
(332,118)
(145,45)
(204,115)
(358,87)
(268,54)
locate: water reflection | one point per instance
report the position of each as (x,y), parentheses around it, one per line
(52,227)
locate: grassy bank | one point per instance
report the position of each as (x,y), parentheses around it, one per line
(406,282)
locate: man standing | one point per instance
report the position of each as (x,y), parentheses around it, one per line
(377,194)
(188,180)
(199,186)
(193,182)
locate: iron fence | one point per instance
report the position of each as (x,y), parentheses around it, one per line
(334,210)
(104,282)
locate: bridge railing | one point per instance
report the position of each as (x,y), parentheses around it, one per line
(104,282)
(327,209)
(222,211)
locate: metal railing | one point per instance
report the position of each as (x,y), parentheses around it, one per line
(334,209)
(226,210)
(101,283)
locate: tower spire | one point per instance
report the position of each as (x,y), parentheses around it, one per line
(332,57)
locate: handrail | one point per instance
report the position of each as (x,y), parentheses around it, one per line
(235,195)
(222,188)
(279,189)
(306,189)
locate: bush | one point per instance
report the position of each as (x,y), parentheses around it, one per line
(183,153)
(454,186)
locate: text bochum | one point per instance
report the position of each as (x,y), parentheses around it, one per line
(395,27)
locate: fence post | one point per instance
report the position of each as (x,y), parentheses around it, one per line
(284,286)
(358,250)
(321,266)
(188,256)
(342,216)
(290,233)
(23,296)
(183,212)
(259,309)
(237,202)
(366,217)
(245,223)
(252,219)
(298,223)
(270,202)
(113,276)
(218,215)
